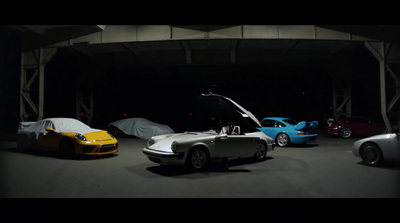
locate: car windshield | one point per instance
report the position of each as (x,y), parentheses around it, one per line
(291,121)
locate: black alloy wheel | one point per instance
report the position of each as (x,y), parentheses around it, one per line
(198,159)
(345,133)
(371,154)
(261,152)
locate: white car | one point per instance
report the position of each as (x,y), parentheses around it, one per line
(196,149)
(374,150)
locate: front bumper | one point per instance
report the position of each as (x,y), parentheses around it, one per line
(162,157)
(356,149)
(333,131)
(97,149)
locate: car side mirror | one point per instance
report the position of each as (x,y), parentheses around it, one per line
(223,135)
(50,129)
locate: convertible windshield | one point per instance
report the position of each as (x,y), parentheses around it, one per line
(291,121)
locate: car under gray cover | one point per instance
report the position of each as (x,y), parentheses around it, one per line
(140,127)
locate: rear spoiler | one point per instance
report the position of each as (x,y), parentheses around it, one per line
(306,126)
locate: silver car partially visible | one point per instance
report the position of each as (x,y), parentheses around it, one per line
(374,150)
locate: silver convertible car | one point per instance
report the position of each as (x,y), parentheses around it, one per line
(374,150)
(195,150)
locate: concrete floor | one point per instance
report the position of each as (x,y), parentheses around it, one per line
(325,169)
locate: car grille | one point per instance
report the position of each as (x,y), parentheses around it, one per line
(107,148)
(88,149)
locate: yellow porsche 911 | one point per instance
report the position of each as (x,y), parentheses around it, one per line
(67,136)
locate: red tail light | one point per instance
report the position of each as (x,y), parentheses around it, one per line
(304,133)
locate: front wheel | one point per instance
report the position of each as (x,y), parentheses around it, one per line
(197,159)
(261,152)
(371,154)
(66,148)
(282,139)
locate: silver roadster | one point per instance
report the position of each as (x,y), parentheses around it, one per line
(374,150)
(196,150)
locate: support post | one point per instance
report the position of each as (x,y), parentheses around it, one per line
(32,82)
(379,52)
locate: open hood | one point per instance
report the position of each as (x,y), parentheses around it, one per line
(228,110)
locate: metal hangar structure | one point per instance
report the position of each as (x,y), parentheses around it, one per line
(143,45)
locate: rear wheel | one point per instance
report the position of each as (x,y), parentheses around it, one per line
(198,159)
(66,148)
(282,139)
(261,152)
(371,154)
(345,133)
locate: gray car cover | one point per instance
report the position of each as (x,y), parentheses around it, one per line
(29,132)
(141,127)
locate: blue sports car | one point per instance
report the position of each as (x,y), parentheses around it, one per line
(286,131)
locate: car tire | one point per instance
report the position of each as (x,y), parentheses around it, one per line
(345,133)
(66,148)
(371,154)
(197,159)
(261,152)
(282,139)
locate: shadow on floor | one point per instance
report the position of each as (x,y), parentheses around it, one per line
(215,166)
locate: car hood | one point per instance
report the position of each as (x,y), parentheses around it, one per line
(80,131)
(228,109)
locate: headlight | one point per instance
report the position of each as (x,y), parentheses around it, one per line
(109,133)
(174,145)
(80,137)
(150,142)
(337,127)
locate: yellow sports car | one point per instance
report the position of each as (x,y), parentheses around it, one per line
(67,136)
